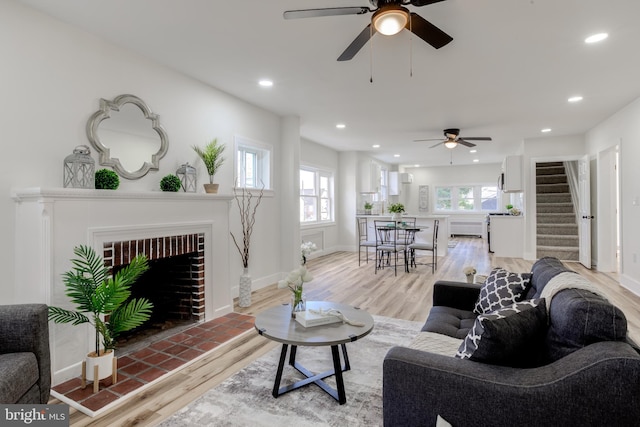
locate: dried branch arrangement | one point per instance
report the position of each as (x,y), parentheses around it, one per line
(247,203)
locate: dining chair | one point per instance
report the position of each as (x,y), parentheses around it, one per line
(363,238)
(389,245)
(426,246)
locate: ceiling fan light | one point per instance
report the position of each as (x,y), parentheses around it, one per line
(390,21)
(450,144)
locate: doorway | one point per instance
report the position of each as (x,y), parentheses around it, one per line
(607,208)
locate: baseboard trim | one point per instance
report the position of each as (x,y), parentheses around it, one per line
(630,284)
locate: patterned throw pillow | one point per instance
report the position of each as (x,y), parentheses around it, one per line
(501,289)
(512,336)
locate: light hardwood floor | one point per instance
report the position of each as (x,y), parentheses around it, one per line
(337,277)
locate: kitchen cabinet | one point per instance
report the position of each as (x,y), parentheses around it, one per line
(395,181)
(507,236)
(512,174)
(369,174)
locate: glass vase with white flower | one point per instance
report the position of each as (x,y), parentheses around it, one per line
(295,282)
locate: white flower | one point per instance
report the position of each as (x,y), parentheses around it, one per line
(296,278)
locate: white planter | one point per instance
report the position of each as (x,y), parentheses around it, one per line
(244,289)
(396,216)
(104,364)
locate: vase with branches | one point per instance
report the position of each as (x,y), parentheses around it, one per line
(247,202)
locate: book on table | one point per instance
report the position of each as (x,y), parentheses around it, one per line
(308,319)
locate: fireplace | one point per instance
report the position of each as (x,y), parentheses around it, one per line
(189,231)
(174,282)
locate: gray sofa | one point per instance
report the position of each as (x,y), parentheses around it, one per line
(25,363)
(583,370)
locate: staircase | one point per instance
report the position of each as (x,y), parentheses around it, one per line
(557,230)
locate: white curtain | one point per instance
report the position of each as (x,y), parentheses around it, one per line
(571,169)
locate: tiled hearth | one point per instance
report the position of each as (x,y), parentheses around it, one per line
(144,366)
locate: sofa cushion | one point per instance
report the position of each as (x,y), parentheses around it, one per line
(511,336)
(18,373)
(449,321)
(501,289)
(577,318)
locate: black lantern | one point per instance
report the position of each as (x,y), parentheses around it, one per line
(188,177)
(79,168)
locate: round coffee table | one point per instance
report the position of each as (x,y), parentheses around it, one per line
(277,324)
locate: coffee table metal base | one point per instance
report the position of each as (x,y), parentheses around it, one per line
(317,379)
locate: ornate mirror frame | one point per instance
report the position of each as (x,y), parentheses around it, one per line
(104,113)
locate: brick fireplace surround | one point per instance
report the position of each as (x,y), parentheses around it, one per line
(49,223)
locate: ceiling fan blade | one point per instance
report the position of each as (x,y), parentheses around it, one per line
(427,31)
(465,143)
(329,11)
(419,3)
(428,139)
(439,143)
(477,138)
(357,44)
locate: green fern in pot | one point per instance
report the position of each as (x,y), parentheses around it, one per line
(101,299)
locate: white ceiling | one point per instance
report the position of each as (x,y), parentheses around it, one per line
(507,74)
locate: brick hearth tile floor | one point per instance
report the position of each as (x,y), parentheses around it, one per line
(143,366)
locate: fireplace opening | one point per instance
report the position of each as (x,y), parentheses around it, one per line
(174,283)
(169,285)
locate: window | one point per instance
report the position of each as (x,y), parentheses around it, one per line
(253,163)
(467,198)
(316,195)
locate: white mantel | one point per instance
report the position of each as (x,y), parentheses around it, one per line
(50,222)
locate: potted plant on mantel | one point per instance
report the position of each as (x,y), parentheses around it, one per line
(212,158)
(396,209)
(105,300)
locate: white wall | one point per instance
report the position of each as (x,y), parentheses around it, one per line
(623,128)
(53,76)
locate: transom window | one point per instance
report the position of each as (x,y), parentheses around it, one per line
(467,198)
(316,195)
(253,163)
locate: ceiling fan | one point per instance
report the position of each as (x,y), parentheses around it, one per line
(453,138)
(389,18)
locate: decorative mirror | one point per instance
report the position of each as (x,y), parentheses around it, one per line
(127,141)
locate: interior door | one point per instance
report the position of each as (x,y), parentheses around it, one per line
(584,214)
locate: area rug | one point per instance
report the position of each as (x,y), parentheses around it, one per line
(245,398)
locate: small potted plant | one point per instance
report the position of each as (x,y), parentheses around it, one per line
(102,300)
(170,183)
(396,209)
(106,179)
(367,208)
(212,158)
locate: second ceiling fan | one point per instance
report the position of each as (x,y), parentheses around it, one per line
(453,138)
(389,18)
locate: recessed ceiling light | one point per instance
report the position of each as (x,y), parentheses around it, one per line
(396,155)
(473,151)
(416,166)
(376,145)
(545,130)
(341,126)
(265,83)
(595,38)
(475,160)
(575,99)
